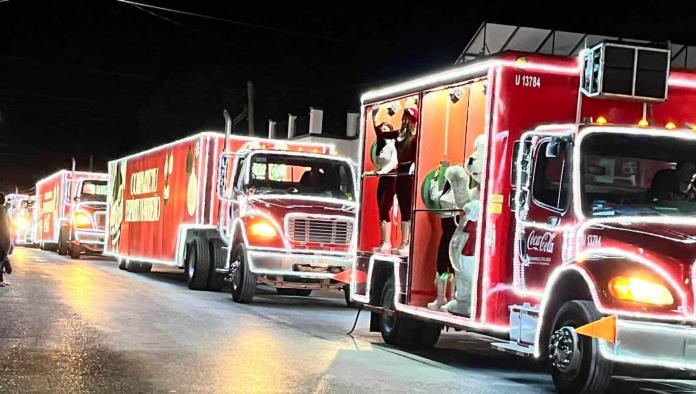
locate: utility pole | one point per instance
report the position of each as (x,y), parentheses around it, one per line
(91,161)
(250,106)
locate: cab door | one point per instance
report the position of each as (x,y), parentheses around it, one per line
(544,213)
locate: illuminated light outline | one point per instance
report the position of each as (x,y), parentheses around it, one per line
(568,230)
(455,74)
(331,218)
(611,252)
(261,197)
(64,184)
(344,262)
(542,132)
(214,181)
(184,228)
(607,353)
(322,156)
(179,249)
(586,131)
(216,134)
(680,81)
(416,311)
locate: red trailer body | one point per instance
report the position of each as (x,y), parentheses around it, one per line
(164,201)
(549,236)
(71,212)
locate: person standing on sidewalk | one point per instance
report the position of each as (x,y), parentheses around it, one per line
(5,241)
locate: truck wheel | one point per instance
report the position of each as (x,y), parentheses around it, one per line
(144,267)
(63,245)
(243,280)
(75,252)
(401,331)
(131,265)
(294,292)
(121,264)
(346,296)
(216,280)
(576,363)
(198,264)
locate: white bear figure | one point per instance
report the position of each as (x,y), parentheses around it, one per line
(461,250)
(474,166)
(463,260)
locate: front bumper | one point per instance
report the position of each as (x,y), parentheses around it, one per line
(91,241)
(666,345)
(304,265)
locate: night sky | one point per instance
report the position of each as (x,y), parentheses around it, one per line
(106,78)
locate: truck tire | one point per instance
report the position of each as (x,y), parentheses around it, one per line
(346,296)
(75,252)
(402,331)
(584,370)
(244,281)
(131,265)
(122,264)
(144,267)
(217,256)
(198,264)
(294,292)
(63,242)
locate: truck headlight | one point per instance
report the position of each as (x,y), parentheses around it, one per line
(82,220)
(262,229)
(644,291)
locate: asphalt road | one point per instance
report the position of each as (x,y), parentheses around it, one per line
(85,326)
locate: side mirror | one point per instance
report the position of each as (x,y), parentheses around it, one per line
(76,199)
(553,149)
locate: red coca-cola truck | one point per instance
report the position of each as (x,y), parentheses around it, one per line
(71,212)
(547,201)
(20,212)
(243,209)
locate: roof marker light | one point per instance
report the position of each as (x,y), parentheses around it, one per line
(601,120)
(670,126)
(643,123)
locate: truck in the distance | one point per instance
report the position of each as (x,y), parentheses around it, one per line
(71,212)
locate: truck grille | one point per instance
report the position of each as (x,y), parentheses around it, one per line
(320,230)
(100,220)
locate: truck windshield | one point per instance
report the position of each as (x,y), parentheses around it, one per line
(308,176)
(93,191)
(626,174)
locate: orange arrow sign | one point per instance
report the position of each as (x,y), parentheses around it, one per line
(345,276)
(604,328)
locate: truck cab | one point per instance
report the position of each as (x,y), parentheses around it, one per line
(83,231)
(291,221)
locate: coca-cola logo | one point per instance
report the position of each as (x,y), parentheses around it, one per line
(541,242)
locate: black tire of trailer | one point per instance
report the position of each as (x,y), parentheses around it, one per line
(144,267)
(402,331)
(216,280)
(244,282)
(75,251)
(122,264)
(64,241)
(294,292)
(594,372)
(131,265)
(198,264)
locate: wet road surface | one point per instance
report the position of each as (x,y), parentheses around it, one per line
(85,326)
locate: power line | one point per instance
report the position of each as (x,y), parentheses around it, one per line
(247,24)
